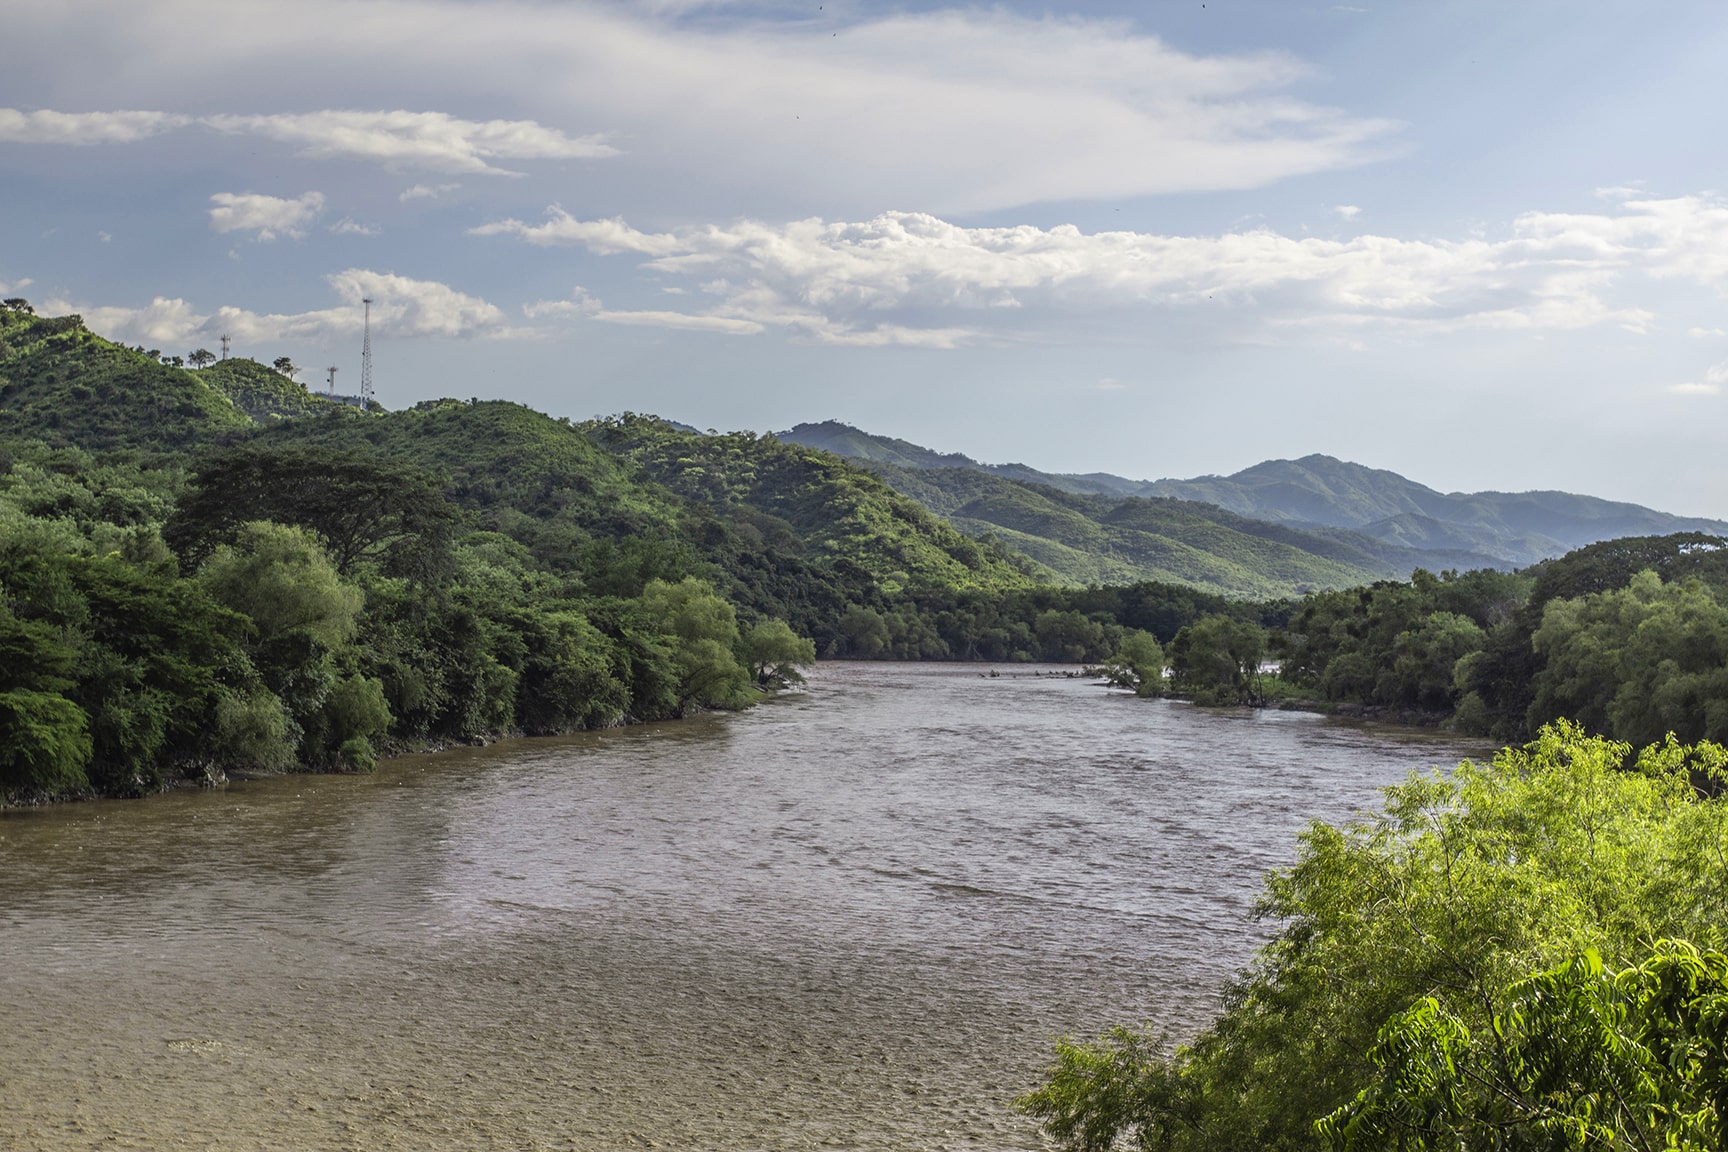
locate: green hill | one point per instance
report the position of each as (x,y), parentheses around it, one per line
(1508,529)
(1518,527)
(1088,539)
(64,385)
(780,530)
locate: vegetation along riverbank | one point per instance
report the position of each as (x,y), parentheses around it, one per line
(216,570)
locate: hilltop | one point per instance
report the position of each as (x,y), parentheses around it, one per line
(1387,516)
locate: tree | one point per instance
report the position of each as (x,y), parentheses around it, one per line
(279,577)
(1218,658)
(1583,1057)
(1138,663)
(775,654)
(1636,663)
(704,629)
(358,505)
(44,742)
(200,357)
(1460,888)
(285,366)
(18,304)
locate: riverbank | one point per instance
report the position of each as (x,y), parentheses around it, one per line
(852,918)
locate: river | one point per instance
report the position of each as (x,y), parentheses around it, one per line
(855,917)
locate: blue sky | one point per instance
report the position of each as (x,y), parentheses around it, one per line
(1484,245)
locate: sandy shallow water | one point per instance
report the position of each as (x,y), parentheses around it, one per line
(852,918)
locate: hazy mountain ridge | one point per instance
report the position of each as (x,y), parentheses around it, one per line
(1322,492)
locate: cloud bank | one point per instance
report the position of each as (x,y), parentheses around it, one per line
(950,111)
(401,307)
(912,278)
(428,141)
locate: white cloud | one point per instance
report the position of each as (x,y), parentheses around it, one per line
(654,319)
(432,141)
(1706,333)
(426,191)
(582,303)
(953,111)
(402,307)
(104,237)
(49,127)
(267,217)
(906,277)
(1347,211)
(429,140)
(13,287)
(605,237)
(1110,384)
(348,226)
(1712,383)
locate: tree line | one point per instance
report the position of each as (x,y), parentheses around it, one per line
(274,608)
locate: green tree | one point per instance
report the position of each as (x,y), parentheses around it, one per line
(1583,1057)
(1462,886)
(865,632)
(1137,663)
(201,357)
(286,366)
(705,633)
(359,506)
(1637,662)
(44,742)
(776,654)
(1218,659)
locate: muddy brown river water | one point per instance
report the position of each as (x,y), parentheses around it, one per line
(852,918)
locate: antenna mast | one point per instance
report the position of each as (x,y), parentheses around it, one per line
(366,360)
(332,371)
(225,339)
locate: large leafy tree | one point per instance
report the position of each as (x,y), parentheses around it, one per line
(1582,1058)
(1463,886)
(360,506)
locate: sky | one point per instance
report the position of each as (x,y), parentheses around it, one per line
(1483,245)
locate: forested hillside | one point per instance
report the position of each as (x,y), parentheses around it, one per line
(215,570)
(1404,524)
(1087,539)
(207,571)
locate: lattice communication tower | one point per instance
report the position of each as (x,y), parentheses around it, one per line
(366,360)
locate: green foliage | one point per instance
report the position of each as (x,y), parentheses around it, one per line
(1398,645)
(358,506)
(63,385)
(44,742)
(1640,662)
(776,654)
(1217,660)
(704,634)
(1137,663)
(280,578)
(1460,888)
(1583,1057)
(1499,684)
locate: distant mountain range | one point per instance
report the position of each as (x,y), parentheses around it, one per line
(1367,519)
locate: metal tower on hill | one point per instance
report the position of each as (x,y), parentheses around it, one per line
(366,360)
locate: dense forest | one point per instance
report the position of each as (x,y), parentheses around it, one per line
(214,570)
